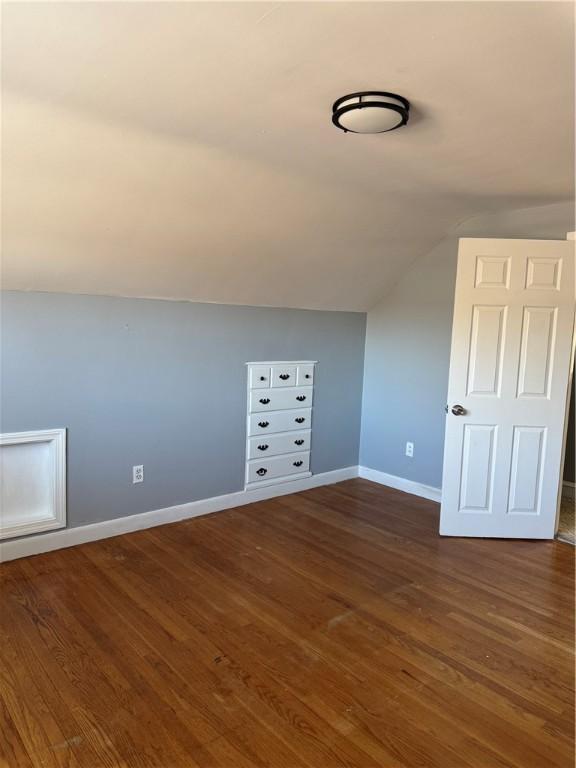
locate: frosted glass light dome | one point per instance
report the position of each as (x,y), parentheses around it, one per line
(370,112)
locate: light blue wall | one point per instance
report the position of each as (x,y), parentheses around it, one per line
(406,370)
(163,384)
(408,348)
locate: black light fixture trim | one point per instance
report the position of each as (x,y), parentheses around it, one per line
(338,111)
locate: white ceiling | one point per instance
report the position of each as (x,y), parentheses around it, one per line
(185,150)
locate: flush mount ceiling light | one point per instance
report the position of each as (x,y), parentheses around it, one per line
(370,112)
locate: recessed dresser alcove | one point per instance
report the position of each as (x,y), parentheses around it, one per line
(279,421)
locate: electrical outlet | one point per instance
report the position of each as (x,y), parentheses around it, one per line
(410,449)
(138,474)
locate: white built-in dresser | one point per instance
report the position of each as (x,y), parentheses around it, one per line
(279,423)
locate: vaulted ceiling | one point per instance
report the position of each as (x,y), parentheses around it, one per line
(185,150)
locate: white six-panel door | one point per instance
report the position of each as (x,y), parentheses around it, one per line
(509,373)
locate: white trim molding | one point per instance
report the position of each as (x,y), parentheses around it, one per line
(282,362)
(34,545)
(51,501)
(401,484)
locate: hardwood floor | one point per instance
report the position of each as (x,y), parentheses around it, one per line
(329,628)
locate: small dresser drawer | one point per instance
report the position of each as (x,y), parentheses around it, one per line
(279,421)
(279,466)
(272,445)
(259,376)
(305,375)
(280,399)
(283,375)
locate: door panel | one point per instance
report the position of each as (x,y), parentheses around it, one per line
(543,273)
(486,350)
(492,272)
(537,351)
(528,447)
(512,342)
(477,468)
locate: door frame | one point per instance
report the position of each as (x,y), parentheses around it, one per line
(566,421)
(569,236)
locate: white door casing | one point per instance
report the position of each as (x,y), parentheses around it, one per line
(512,340)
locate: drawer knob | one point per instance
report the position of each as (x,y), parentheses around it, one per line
(263,424)
(264,400)
(261,471)
(262,378)
(298,463)
(263,447)
(300,398)
(284,376)
(307,376)
(299,442)
(300,420)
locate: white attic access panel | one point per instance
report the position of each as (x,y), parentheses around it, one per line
(32,482)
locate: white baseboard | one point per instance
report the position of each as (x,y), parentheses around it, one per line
(69,537)
(569,489)
(401,484)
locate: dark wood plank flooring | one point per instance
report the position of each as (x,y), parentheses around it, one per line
(328,628)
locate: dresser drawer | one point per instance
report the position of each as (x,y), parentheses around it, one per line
(279,421)
(259,376)
(273,445)
(280,399)
(305,375)
(283,375)
(279,466)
